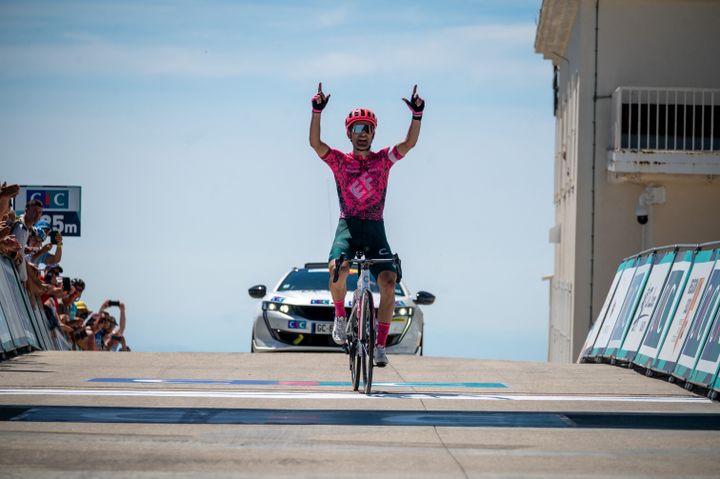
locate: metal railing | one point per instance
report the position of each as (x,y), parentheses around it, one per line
(666,119)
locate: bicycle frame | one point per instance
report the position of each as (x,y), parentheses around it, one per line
(361,338)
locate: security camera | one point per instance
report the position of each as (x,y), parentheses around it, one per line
(651,195)
(641,214)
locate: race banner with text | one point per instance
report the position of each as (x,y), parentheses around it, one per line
(61,206)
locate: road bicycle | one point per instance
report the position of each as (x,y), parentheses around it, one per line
(362,322)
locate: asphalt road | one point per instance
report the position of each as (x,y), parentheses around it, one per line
(280,415)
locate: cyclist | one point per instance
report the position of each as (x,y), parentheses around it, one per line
(362,178)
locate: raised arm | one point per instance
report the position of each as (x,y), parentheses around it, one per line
(57,257)
(121,330)
(416,105)
(319,101)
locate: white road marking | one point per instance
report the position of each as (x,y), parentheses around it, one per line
(343,395)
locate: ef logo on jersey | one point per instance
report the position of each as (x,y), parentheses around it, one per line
(362,187)
(51,199)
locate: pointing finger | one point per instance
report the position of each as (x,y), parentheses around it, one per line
(414,90)
(320,87)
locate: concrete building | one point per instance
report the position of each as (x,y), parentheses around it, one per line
(637,108)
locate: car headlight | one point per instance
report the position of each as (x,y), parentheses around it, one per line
(271,306)
(404,311)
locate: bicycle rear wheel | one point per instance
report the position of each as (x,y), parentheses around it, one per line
(368,309)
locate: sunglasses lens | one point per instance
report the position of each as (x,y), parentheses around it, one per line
(357,129)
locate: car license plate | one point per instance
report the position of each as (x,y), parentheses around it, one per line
(323,328)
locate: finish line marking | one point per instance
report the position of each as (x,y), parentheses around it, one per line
(262,382)
(348,395)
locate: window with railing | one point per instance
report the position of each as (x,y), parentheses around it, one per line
(666,119)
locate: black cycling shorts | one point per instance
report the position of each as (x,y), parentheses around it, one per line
(355,234)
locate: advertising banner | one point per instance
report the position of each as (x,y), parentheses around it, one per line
(706,369)
(626,295)
(61,206)
(595,329)
(6,343)
(700,326)
(13,313)
(689,303)
(665,309)
(637,288)
(648,302)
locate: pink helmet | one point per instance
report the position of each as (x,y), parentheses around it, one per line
(361,114)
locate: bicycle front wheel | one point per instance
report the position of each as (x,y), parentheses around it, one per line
(368,312)
(354,351)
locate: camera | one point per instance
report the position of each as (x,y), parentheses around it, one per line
(641,214)
(113,303)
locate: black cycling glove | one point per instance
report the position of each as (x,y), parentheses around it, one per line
(416,104)
(319,101)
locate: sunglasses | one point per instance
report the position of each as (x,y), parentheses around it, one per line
(358,128)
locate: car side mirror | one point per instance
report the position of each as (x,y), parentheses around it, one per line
(423,297)
(257,291)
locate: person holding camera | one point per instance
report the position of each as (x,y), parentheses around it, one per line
(39,254)
(115,334)
(22,229)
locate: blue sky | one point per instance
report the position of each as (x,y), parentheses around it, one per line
(186,124)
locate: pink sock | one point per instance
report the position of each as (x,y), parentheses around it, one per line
(383,330)
(339,308)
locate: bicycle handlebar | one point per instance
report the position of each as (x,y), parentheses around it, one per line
(365,262)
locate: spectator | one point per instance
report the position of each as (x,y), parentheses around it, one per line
(114,338)
(22,229)
(50,302)
(39,254)
(7,193)
(21,240)
(9,246)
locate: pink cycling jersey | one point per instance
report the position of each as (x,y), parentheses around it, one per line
(362,182)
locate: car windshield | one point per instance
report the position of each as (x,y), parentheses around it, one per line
(318,280)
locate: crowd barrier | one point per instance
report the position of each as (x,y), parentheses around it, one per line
(662,317)
(23,324)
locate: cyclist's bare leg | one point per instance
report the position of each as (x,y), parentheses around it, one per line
(386,282)
(338,290)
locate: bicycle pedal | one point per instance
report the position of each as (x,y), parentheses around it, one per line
(346,348)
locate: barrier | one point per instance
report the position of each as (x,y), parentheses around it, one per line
(706,370)
(657,329)
(677,331)
(23,325)
(700,327)
(650,298)
(627,294)
(630,305)
(662,316)
(595,328)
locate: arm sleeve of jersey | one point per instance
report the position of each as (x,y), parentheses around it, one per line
(332,158)
(394,155)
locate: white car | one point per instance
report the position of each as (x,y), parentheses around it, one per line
(298,314)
